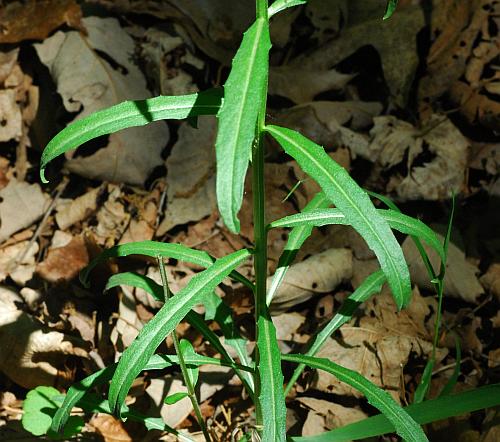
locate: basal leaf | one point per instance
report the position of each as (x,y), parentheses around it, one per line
(423,413)
(271,396)
(154,249)
(354,203)
(403,223)
(404,425)
(129,114)
(371,285)
(281,5)
(296,238)
(237,117)
(164,322)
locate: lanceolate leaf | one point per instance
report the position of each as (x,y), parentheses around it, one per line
(423,413)
(390,8)
(280,5)
(243,99)
(354,203)
(129,114)
(155,249)
(404,425)
(231,335)
(403,223)
(173,311)
(372,284)
(296,238)
(271,395)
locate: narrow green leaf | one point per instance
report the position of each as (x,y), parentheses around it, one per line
(403,223)
(154,332)
(390,8)
(129,114)
(425,382)
(238,117)
(281,5)
(354,203)
(186,348)
(404,425)
(222,316)
(155,249)
(296,238)
(429,411)
(271,395)
(372,284)
(174,398)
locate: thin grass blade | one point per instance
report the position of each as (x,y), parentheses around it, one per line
(402,223)
(371,285)
(271,395)
(425,382)
(404,425)
(281,5)
(296,238)
(238,117)
(154,332)
(354,203)
(129,114)
(423,413)
(154,249)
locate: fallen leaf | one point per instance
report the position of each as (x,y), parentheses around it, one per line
(62,264)
(460,279)
(110,428)
(287,324)
(11,123)
(21,204)
(397,142)
(491,279)
(112,218)
(89,82)
(18,261)
(25,345)
(320,273)
(37,19)
(69,212)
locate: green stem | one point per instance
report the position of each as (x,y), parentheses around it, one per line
(182,362)
(259,220)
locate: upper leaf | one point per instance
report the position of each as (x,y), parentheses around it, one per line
(281,5)
(390,8)
(354,203)
(129,114)
(243,98)
(164,322)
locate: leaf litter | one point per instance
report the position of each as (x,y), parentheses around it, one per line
(409,132)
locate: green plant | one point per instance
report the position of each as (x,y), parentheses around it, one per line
(241,110)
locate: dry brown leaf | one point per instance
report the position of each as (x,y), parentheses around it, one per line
(21,204)
(287,324)
(491,280)
(88,83)
(128,324)
(112,218)
(191,176)
(460,279)
(25,345)
(380,347)
(69,212)
(37,19)
(110,428)
(320,273)
(62,264)
(18,261)
(394,140)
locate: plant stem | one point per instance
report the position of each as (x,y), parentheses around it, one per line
(259,219)
(182,362)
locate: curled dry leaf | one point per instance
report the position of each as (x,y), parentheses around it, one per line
(320,273)
(112,218)
(380,347)
(21,204)
(460,280)
(36,20)
(18,261)
(31,354)
(394,141)
(69,212)
(90,83)
(110,428)
(491,280)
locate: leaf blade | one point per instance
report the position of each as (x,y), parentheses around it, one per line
(281,5)
(129,114)
(154,332)
(238,117)
(354,203)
